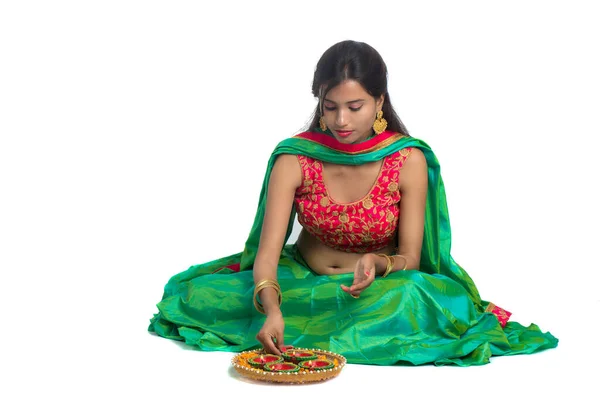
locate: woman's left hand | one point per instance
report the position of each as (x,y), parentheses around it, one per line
(364,275)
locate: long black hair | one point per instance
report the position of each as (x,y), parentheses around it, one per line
(356,61)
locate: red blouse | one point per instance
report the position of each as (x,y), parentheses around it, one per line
(362,226)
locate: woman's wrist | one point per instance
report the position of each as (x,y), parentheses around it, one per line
(385,264)
(267,296)
(270,301)
(274,311)
(380,264)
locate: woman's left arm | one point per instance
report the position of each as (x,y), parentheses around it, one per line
(411,224)
(413,187)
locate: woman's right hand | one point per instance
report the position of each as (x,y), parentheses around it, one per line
(271,334)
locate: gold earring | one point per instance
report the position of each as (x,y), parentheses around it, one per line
(380,123)
(322,124)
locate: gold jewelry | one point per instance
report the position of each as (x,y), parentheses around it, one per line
(389,266)
(354,295)
(380,123)
(322,124)
(405,261)
(265,283)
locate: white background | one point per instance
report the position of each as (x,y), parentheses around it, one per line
(134,140)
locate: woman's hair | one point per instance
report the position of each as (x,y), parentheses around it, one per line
(356,61)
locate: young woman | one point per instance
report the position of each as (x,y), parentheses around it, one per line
(371,275)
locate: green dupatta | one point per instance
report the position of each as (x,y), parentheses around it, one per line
(434,315)
(435,254)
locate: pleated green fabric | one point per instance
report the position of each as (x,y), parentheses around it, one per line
(434,315)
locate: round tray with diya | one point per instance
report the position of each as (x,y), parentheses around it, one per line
(295,365)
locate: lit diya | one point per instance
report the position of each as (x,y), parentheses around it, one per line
(299,355)
(315,365)
(260,360)
(279,366)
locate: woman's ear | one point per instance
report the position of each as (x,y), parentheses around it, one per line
(379,102)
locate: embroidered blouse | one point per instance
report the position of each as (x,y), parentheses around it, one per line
(362,226)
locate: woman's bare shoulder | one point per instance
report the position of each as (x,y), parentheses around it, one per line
(415,158)
(287,168)
(414,168)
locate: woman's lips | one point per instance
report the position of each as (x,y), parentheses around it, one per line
(344,133)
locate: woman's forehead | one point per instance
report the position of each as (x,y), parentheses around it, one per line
(348,91)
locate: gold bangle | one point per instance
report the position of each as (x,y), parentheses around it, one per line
(256,300)
(265,283)
(389,266)
(405,261)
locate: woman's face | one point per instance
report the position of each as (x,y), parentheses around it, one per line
(349,112)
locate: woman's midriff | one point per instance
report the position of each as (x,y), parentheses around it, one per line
(324,260)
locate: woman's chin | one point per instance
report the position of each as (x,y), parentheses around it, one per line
(347,140)
(351,139)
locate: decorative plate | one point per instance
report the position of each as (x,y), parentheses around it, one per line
(308,372)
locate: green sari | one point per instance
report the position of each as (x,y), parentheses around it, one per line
(434,315)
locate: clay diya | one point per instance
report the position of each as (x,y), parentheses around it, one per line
(279,366)
(262,359)
(315,365)
(298,355)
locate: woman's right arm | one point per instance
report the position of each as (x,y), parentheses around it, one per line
(286,177)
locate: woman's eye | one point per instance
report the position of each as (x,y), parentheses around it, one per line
(351,108)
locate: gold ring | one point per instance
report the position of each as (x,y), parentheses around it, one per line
(354,295)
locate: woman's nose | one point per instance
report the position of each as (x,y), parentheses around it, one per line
(341,119)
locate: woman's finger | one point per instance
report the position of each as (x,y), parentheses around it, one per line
(272,347)
(279,338)
(267,341)
(361,285)
(345,288)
